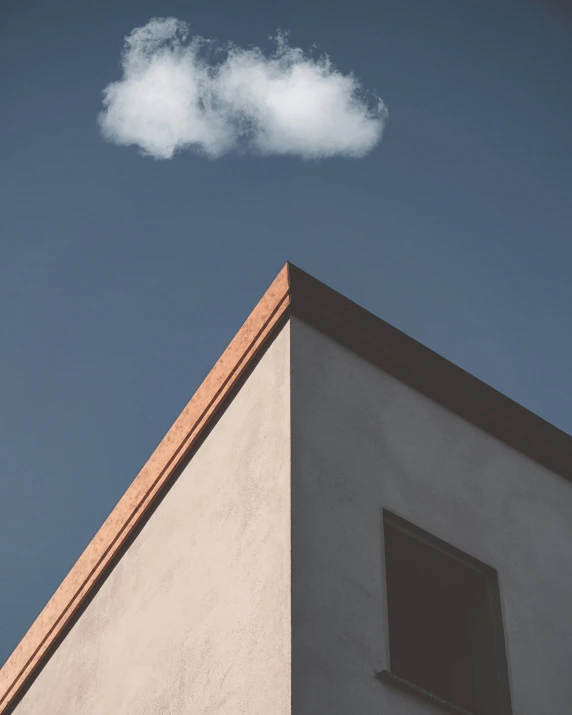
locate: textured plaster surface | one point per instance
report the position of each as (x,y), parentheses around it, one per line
(362,441)
(195,617)
(118,527)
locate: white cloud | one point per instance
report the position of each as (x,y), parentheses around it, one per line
(174,95)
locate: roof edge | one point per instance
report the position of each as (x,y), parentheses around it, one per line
(427,372)
(141,494)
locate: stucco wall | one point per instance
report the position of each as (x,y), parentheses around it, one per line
(195,618)
(362,441)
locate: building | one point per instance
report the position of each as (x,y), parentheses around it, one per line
(339,522)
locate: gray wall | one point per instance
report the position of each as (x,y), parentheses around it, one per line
(362,441)
(195,618)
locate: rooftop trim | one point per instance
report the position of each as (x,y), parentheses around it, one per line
(429,373)
(293,292)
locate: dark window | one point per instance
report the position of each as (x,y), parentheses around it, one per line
(445,627)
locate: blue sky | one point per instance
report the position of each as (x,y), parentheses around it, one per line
(122,277)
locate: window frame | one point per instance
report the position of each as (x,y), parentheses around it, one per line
(502,705)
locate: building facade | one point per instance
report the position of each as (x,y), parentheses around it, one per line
(339,522)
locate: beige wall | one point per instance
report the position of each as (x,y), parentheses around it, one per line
(361,441)
(195,618)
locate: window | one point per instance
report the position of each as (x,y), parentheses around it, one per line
(445,626)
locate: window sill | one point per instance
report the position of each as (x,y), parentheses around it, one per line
(386,676)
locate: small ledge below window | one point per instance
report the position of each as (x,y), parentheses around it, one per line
(386,676)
